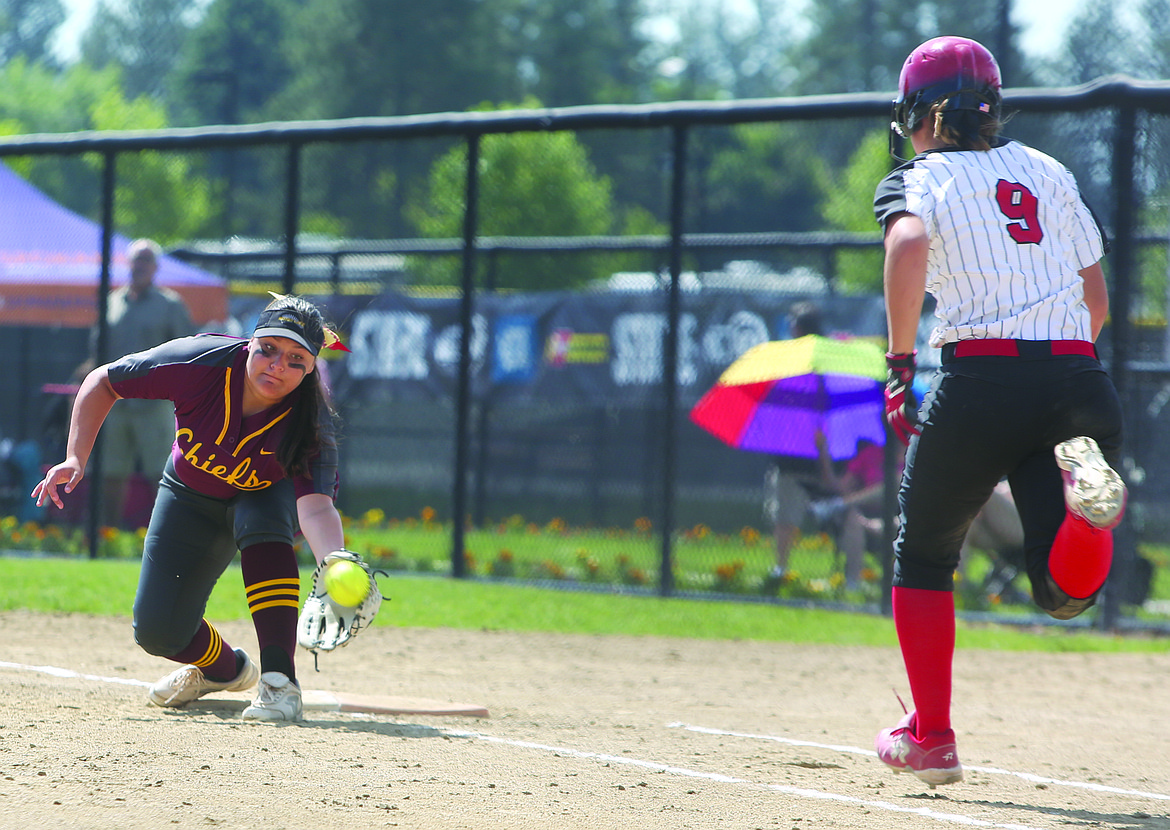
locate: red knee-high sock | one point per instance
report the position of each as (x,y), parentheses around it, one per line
(925,622)
(1080,557)
(273,586)
(211,653)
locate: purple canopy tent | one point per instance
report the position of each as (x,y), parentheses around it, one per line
(50,264)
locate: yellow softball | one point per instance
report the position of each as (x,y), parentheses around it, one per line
(346,583)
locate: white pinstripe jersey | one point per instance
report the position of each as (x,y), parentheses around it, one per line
(1008,233)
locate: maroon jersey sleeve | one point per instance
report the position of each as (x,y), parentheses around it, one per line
(174,370)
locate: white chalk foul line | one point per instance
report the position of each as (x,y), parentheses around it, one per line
(655,766)
(1025,776)
(800,792)
(57,672)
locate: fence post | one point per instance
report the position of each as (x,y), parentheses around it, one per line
(292,211)
(102,347)
(483,414)
(670,357)
(1122,573)
(463,395)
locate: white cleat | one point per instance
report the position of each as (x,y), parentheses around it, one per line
(279,699)
(1092,489)
(187,683)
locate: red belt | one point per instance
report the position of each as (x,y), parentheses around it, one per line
(1019,348)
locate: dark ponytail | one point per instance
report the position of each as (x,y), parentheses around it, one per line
(965,129)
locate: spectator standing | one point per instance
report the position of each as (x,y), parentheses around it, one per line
(138,434)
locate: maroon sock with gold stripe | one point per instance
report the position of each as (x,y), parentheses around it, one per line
(273,585)
(208,650)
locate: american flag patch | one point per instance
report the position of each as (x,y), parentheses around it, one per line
(985,107)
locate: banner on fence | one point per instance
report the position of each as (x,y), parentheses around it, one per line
(559,345)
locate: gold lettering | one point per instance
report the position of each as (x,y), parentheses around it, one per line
(192,455)
(243,477)
(238,473)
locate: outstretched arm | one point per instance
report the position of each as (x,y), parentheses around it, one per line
(320,524)
(93,403)
(324,623)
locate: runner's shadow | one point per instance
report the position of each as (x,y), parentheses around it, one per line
(1139,820)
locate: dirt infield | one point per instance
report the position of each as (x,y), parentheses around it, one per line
(584,732)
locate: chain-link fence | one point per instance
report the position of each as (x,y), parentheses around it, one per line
(518,402)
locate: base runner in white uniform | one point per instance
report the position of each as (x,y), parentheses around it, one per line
(998,233)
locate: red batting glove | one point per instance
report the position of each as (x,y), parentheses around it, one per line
(901,405)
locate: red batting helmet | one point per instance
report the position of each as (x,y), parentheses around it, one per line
(955,68)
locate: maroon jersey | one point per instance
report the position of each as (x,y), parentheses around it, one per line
(218,452)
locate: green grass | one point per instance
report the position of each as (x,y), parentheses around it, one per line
(723,564)
(736,563)
(106,588)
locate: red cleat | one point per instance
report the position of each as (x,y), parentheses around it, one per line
(934,759)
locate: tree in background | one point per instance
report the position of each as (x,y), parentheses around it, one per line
(709,50)
(848,206)
(158,195)
(1155,135)
(569,52)
(259,60)
(231,67)
(35,98)
(1104,42)
(1155,62)
(42,99)
(142,37)
(233,63)
(27,28)
(530,184)
(393,57)
(766,177)
(360,58)
(1098,44)
(860,46)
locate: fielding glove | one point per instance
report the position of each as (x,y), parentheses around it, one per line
(324,624)
(901,405)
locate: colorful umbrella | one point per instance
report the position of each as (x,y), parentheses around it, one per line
(776,396)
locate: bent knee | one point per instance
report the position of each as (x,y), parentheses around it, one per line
(159,646)
(1058,604)
(161,640)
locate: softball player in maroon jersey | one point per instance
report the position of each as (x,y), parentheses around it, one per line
(254,457)
(998,233)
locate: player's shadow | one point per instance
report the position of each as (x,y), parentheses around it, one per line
(230,711)
(1118,821)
